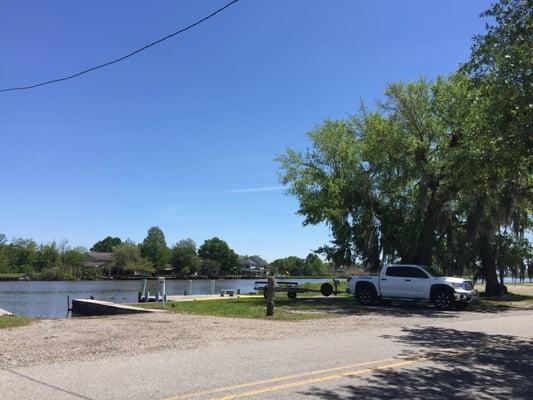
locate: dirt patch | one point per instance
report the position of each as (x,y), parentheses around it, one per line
(77,339)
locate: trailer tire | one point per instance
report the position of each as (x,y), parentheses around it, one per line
(326,289)
(291,294)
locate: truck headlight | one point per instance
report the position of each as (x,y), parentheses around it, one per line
(457,285)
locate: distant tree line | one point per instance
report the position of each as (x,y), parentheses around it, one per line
(441,172)
(213,258)
(312,265)
(48,261)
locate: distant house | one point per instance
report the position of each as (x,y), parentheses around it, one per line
(354,270)
(98,260)
(168,270)
(252,267)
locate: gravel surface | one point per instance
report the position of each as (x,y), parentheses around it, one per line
(76,339)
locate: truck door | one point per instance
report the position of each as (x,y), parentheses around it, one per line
(391,282)
(416,283)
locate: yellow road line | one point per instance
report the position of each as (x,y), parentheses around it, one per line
(317,380)
(272,380)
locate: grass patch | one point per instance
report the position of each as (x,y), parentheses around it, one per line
(11,321)
(245,308)
(511,297)
(506,302)
(313,305)
(305,306)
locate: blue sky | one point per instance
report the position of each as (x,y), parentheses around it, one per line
(183,136)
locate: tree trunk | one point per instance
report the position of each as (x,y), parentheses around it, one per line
(271,295)
(374,260)
(488,262)
(426,239)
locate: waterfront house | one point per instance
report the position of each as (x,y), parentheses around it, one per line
(98,260)
(351,270)
(168,270)
(251,267)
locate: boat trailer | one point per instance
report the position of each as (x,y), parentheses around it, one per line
(292,289)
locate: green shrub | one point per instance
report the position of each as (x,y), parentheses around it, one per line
(52,275)
(92,274)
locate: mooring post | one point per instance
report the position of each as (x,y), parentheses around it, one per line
(143,291)
(212,286)
(190,286)
(162,287)
(271,295)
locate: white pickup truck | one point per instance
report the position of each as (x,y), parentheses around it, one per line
(412,282)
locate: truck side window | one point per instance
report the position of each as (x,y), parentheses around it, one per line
(412,272)
(406,272)
(394,271)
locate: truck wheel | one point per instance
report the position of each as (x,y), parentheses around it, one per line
(444,300)
(291,294)
(326,289)
(366,295)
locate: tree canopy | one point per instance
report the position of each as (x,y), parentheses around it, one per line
(184,257)
(216,249)
(127,258)
(46,261)
(440,172)
(312,265)
(154,248)
(106,245)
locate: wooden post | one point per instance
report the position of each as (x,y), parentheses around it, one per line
(271,295)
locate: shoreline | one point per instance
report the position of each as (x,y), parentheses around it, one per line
(25,279)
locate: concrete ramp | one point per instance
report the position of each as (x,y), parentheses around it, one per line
(4,313)
(98,307)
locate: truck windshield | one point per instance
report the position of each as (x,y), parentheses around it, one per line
(432,271)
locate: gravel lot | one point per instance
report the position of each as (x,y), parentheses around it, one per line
(50,341)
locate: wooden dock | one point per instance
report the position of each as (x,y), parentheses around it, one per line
(90,307)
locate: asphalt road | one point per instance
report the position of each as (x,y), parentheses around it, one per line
(485,359)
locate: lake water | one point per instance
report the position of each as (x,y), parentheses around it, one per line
(49,299)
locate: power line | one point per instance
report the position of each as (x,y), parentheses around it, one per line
(117,60)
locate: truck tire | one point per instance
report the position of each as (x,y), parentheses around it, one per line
(444,299)
(366,295)
(326,289)
(291,294)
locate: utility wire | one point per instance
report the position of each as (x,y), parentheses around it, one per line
(117,60)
